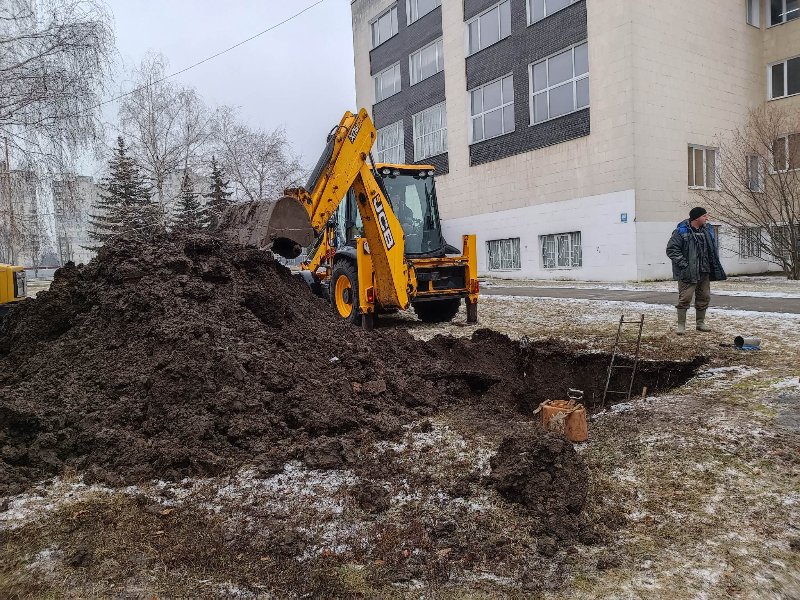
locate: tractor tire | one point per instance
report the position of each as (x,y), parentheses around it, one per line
(344,291)
(437,311)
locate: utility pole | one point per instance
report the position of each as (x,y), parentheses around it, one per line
(12,227)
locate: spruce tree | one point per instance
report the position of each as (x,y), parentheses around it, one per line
(125,206)
(190,214)
(219,197)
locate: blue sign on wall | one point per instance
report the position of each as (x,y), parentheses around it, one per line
(623,217)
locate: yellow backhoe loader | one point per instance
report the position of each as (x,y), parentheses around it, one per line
(372,231)
(13,286)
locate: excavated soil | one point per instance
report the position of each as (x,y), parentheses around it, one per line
(191,355)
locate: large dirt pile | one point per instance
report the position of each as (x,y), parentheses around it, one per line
(187,356)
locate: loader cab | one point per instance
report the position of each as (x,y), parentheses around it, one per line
(412,193)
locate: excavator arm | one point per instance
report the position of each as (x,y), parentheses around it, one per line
(293,221)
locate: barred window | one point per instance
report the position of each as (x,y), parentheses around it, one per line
(389,146)
(716,230)
(781,240)
(504,254)
(561,250)
(750,242)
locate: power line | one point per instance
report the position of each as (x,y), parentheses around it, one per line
(205,60)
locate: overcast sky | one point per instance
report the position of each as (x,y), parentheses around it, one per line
(299,75)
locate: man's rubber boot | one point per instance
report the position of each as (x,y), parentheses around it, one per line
(701,321)
(681,328)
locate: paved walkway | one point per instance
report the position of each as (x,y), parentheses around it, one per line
(754,303)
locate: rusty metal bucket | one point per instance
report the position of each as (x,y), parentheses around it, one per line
(282,225)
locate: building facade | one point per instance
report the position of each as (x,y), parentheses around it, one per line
(560,128)
(73,200)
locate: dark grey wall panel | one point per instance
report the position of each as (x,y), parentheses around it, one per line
(525,138)
(405,105)
(409,38)
(411,99)
(524,46)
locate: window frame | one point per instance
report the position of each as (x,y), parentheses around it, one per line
(425,47)
(751,14)
(574,80)
(575,251)
(422,135)
(409,20)
(516,258)
(395,29)
(401,144)
(502,105)
(746,243)
(783,13)
(759,173)
(705,168)
(477,17)
(786,149)
(398,82)
(529,11)
(786,94)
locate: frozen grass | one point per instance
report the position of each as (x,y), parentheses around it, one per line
(694,493)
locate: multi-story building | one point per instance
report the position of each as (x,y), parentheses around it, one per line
(73,200)
(560,129)
(21,231)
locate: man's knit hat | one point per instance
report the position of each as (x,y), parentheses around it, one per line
(696,213)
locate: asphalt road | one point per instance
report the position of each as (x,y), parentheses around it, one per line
(754,303)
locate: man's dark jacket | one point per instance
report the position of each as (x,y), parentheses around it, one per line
(685,256)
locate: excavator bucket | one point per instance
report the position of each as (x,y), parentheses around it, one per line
(281,225)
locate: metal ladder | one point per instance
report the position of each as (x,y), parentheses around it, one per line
(632,368)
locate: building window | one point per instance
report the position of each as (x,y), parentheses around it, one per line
(781,241)
(715,229)
(750,242)
(426,61)
(430,132)
(492,109)
(389,144)
(754,13)
(755,181)
(419,8)
(489,27)
(504,255)
(786,153)
(384,27)
(784,78)
(387,83)
(539,9)
(781,11)
(703,167)
(560,84)
(561,250)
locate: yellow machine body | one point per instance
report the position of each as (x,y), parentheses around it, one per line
(13,286)
(381,275)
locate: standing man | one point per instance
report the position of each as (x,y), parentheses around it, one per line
(695,264)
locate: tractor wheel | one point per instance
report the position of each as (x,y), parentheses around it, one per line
(437,311)
(344,291)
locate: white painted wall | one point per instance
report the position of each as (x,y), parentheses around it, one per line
(609,246)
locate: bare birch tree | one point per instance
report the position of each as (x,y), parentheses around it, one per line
(167,125)
(260,162)
(55,62)
(759,187)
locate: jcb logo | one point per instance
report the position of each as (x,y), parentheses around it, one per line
(354,132)
(383,222)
